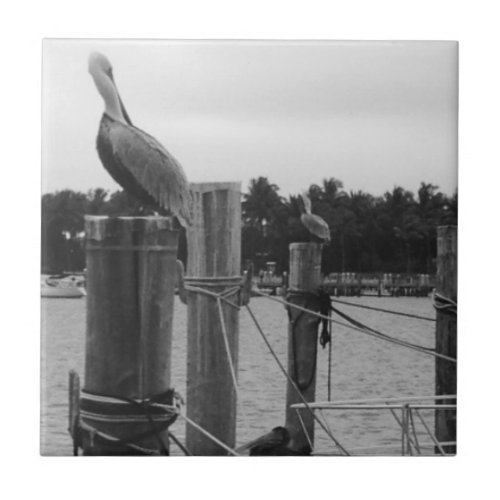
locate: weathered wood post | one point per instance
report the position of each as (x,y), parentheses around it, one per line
(214,255)
(304,280)
(131,270)
(446,333)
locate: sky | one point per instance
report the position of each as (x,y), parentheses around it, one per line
(372,114)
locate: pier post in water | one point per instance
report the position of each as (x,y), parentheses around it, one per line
(304,281)
(446,333)
(214,265)
(131,272)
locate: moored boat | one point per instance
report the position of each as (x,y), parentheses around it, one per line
(62,287)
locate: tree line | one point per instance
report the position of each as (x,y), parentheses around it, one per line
(394,233)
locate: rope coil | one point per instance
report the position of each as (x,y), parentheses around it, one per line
(103,408)
(231,285)
(156,413)
(312,300)
(234,286)
(444,304)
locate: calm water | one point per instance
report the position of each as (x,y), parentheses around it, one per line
(362,367)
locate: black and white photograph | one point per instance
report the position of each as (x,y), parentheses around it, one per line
(249,248)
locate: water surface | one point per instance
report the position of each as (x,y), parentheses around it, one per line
(362,367)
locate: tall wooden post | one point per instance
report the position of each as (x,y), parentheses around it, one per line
(446,333)
(131,269)
(214,255)
(304,279)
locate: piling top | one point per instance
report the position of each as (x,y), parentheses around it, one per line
(214,238)
(131,233)
(205,187)
(100,228)
(305,266)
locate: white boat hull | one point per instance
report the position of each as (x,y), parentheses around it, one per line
(66,288)
(55,292)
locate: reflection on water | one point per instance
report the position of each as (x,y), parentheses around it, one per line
(362,367)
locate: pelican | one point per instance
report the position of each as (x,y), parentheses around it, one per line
(137,161)
(314,223)
(274,443)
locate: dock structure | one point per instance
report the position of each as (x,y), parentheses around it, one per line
(131,272)
(446,332)
(127,404)
(304,283)
(359,284)
(213,270)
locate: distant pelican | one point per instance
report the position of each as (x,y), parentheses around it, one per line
(274,443)
(137,161)
(314,223)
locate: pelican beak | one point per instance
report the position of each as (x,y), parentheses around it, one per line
(122,107)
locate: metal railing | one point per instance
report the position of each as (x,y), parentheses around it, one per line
(405,411)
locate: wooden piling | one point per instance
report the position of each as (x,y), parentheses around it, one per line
(304,280)
(446,333)
(131,270)
(214,261)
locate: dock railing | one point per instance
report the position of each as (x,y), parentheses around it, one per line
(407,413)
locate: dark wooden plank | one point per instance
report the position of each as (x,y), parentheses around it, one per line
(446,333)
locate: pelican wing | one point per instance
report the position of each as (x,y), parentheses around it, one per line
(316,225)
(153,167)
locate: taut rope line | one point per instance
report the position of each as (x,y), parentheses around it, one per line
(282,368)
(379,309)
(362,329)
(208,435)
(234,284)
(228,350)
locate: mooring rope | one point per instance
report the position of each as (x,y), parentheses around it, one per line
(294,322)
(368,331)
(362,326)
(93,432)
(304,429)
(183,448)
(208,435)
(104,408)
(233,286)
(291,381)
(153,411)
(444,304)
(228,350)
(208,293)
(329,387)
(379,309)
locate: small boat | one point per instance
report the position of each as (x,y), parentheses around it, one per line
(63,287)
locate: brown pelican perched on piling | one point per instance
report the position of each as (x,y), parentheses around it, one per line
(137,161)
(314,223)
(274,443)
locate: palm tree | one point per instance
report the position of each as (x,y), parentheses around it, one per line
(97,201)
(261,201)
(62,220)
(265,218)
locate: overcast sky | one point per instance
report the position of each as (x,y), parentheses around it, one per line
(371,114)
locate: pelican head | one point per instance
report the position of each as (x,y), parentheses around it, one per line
(306,200)
(99,63)
(102,72)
